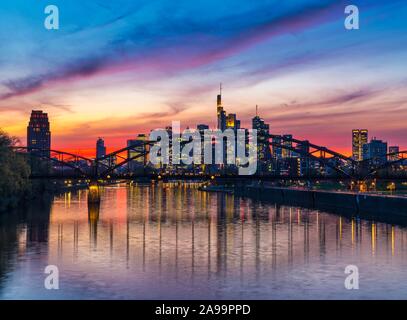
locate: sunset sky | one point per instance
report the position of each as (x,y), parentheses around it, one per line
(118,68)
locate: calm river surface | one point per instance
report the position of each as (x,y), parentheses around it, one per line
(175,242)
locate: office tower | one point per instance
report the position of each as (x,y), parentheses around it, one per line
(277,151)
(359,138)
(138,150)
(170,151)
(231,121)
(303,160)
(393,153)
(221,114)
(287,153)
(100,148)
(38,134)
(263,145)
(201,129)
(376,151)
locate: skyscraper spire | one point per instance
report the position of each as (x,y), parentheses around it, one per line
(257,107)
(221,114)
(219,100)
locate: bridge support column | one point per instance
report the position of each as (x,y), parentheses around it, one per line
(94,192)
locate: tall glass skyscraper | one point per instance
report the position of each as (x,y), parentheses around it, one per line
(221,114)
(263,146)
(359,138)
(138,152)
(39,134)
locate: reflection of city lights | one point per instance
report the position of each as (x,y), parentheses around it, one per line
(93,187)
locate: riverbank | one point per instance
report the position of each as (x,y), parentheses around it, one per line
(357,203)
(338,202)
(32,191)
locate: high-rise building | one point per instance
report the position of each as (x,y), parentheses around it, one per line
(225,121)
(39,134)
(277,151)
(201,129)
(359,138)
(170,151)
(287,153)
(376,150)
(221,114)
(100,148)
(303,160)
(393,153)
(263,145)
(138,151)
(231,121)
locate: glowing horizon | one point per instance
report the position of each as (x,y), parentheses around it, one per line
(119,69)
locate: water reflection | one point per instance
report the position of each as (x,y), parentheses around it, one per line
(93,216)
(173,241)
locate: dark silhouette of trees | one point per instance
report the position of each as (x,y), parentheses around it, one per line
(14,173)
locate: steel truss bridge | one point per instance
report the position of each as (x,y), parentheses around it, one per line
(114,166)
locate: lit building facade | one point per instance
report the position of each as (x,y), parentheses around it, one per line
(221,114)
(263,145)
(201,129)
(286,153)
(277,151)
(138,151)
(303,161)
(39,134)
(359,138)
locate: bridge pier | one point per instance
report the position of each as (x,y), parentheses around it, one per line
(94,192)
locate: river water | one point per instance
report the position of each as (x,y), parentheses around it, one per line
(176,242)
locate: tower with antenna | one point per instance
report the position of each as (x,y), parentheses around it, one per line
(263,145)
(221,114)
(219,100)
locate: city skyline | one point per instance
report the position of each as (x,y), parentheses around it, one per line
(307,73)
(257,123)
(363,148)
(184,153)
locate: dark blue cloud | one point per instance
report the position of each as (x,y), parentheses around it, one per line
(96,35)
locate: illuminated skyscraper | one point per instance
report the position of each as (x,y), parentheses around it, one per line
(263,146)
(38,133)
(359,138)
(138,151)
(277,151)
(201,129)
(287,153)
(221,114)
(303,160)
